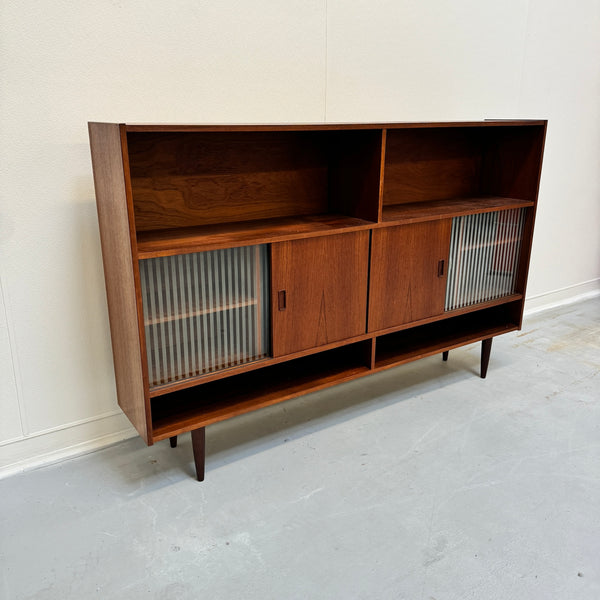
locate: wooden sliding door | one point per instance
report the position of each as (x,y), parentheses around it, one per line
(319,290)
(408,273)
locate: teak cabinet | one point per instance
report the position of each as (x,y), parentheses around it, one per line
(246,265)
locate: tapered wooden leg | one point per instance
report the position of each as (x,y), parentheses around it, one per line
(445,355)
(173,441)
(199,446)
(486,348)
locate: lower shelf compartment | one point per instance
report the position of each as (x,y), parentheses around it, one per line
(411,344)
(218,400)
(191,408)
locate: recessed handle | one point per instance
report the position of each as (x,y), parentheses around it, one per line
(281,299)
(441,265)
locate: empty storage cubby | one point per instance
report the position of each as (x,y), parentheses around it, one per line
(432,338)
(243,181)
(432,164)
(238,394)
(460,170)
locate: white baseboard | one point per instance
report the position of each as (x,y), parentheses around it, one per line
(562,297)
(55,445)
(89,435)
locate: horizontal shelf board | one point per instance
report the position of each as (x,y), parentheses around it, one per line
(391,358)
(415,212)
(232,397)
(228,235)
(483,305)
(165,127)
(190,314)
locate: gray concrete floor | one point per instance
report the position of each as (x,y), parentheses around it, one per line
(424,482)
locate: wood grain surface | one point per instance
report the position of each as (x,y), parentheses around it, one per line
(434,210)
(228,235)
(433,164)
(405,285)
(325,281)
(111,201)
(186,179)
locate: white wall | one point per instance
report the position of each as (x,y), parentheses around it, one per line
(64,63)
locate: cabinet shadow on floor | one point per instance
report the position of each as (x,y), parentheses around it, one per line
(255,432)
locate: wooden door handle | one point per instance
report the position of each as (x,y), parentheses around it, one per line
(281,299)
(441,265)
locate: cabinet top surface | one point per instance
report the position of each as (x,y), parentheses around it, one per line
(166,127)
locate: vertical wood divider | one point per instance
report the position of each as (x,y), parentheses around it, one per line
(381,175)
(373,350)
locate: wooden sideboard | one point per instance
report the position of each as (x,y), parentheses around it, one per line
(249,264)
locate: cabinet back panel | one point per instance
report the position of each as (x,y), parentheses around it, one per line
(186,179)
(431,164)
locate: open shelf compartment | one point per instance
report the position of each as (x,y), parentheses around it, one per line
(411,344)
(204,190)
(215,401)
(445,172)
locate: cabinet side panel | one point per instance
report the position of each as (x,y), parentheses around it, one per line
(109,182)
(513,168)
(530,222)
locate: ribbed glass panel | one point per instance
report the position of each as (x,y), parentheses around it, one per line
(484,256)
(205,311)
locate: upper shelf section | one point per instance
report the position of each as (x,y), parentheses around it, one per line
(201,187)
(196,179)
(466,162)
